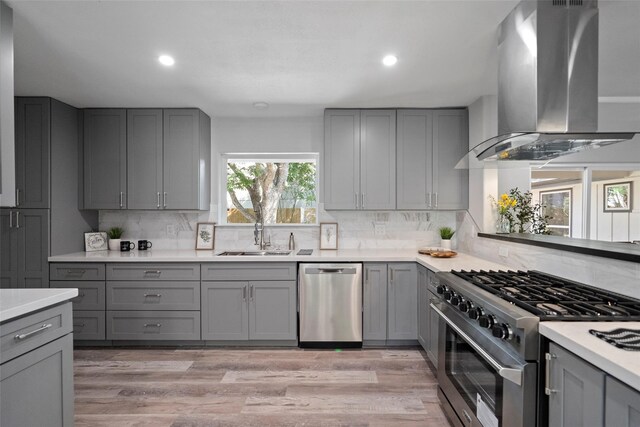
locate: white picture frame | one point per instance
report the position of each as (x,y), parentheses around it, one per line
(618,197)
(329,236)
(94,242)
(205,236)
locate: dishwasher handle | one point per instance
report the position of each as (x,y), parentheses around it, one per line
(328,270)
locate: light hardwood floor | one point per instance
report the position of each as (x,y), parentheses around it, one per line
(245,387)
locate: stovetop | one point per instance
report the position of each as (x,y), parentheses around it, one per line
(554,298)
(626,339)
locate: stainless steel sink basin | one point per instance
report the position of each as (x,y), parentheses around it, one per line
(254,253)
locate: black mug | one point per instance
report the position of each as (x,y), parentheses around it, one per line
(126,246)
(143,245)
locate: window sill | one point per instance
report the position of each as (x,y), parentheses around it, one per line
(266,225)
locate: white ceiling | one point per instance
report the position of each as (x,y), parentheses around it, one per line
(299,56)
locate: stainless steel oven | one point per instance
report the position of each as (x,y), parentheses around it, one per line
(484,383)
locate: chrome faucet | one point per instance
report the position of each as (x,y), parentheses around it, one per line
(258,232)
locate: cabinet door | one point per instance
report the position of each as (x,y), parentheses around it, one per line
(578,391)
(423,308)
(144,159)
(33,248)
(433,320)
(181,164)
(374,325)
(341,159)
(8,249)
(272,310)
(415,147)
(378,159)
(36,389)
(224,311)
(403,308)
(450,144)
(622,405)
(105,159)
(32,152)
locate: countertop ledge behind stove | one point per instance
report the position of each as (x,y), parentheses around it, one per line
(575,337)
(18,302)
(460,262)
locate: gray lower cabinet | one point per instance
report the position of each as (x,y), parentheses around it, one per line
(153,325)
(36,375)
(423,308)
(622,405)
(25,248)
(402,306)
(89,325)
(225,311)
(433,319)
(577,390)
(374,306)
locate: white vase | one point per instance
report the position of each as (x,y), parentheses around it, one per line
(114,244)
(445,244)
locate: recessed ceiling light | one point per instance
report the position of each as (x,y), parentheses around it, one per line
(260,105)
(390,60)
(166,60)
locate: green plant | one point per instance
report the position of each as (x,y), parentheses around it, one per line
(526,216)
(446,233)
(115,232)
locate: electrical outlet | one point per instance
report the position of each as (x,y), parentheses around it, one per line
(503,251)
(379,229)
(171,230)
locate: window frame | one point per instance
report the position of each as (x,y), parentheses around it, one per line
(555,191)
(273,157)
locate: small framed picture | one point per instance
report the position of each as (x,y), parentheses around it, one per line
(329,235)
(205,235)
(617,197)
(95,242)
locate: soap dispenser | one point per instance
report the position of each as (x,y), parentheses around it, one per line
(292,242)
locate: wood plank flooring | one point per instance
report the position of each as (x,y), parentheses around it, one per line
(249,387)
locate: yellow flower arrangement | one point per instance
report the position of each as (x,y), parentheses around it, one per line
(505,203)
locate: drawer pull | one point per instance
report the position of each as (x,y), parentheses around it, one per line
(152,325)
(152,272)
(153,295)
(76,272)
(81,294)
(44,327)
(78,325)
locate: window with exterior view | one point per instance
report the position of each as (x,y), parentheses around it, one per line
(275,191)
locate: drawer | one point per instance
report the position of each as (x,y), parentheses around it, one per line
(24,334)
(163,271)
(89,325)
(153,296)
(249,271)
(153,325)
(76,271)
(90,294)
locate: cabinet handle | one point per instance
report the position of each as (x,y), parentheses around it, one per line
(153,295)
(250,292)
(17,219)
(44,327)
(17,197)
(152,325)
(391,274)
(436,196)
(547,374)
(121,196)
(355,195)
(164,200)
(244,293)
(81,295)
(429,205)
(76,272)
(366,275)
(158,272)
(78,325)
(158,194)
(10,219)
(362,204)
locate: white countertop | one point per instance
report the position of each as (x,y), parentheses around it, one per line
(575,337)
(461,261)
(18,302)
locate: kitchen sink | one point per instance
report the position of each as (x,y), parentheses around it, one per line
(254,253)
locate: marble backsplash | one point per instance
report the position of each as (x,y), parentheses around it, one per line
(356,229)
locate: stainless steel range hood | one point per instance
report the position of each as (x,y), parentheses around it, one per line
(547,82)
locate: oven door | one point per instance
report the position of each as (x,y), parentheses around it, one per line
(484,384)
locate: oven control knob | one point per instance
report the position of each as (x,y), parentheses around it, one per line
(465,307)
(487,321)
(475,313)
(455,299)
(440,289)
(503,331)
(448,295)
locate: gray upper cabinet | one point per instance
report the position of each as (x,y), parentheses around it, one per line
(577,391)
(144,159)
(374,307)
(402,305)
(360,159)
(622,405)
(430,144)
(186,160)
(32,117)
(105,159)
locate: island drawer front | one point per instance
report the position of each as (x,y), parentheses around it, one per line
(159,271)
(91,295)
(153,325)
(129,295)
(76,271)
(23,334)
(249,271)
(89,325)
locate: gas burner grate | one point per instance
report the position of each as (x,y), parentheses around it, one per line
(626,339)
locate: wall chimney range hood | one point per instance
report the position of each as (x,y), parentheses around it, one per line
(547,83)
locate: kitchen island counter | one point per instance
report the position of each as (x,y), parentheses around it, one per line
(19,302)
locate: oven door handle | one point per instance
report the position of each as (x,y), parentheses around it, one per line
(510,374)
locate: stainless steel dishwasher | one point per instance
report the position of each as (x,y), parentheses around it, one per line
(330,305)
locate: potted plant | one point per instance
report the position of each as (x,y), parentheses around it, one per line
(446,233)
(114,234)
